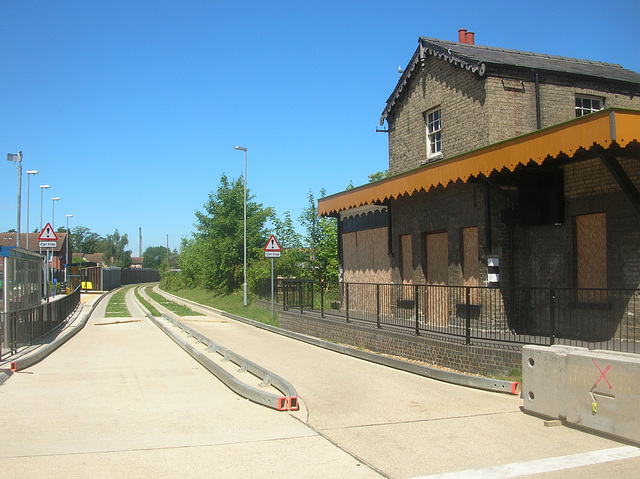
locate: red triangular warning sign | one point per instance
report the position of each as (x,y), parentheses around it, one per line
(48,234)
(272,245)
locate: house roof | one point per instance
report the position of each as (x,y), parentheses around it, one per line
(91,257)
(605,129)
(481,59)
(9,239)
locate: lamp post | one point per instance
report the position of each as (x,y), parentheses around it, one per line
(244,178)
(53,211)
(67,255)
(53,215)
(17,159)
(42,188)
(29,173)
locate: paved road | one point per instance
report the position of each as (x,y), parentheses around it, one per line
(121,399)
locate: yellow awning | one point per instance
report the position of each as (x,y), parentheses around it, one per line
(601,128)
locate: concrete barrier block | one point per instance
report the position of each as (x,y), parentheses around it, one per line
(603,392)
(544,377)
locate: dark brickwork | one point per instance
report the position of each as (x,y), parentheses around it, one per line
(479,111)
(469,359)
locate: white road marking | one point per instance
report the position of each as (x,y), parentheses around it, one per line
(543,465)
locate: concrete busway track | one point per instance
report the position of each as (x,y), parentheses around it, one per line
(405,426)
(121,400)
(453,377)
(251,381)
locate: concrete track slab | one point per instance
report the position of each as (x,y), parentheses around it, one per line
(401,424)
(122,400)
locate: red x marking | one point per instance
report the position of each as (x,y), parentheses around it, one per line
(602,374)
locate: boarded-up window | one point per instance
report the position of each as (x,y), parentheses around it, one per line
(591,252)
(406,250)
(436,299)
(365,256)
(437,258)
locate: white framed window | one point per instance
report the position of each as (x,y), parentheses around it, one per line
(588,104)
(433,120)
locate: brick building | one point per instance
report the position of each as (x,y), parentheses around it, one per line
(58,254)
(507,168)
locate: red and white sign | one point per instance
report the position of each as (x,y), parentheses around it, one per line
(47,238)
(272,249)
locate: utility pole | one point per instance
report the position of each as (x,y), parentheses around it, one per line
(17,159)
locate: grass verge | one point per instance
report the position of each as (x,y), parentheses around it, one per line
(154,312)
(176,308)
(231,303)
(117,307)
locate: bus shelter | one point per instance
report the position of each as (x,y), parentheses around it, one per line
(21,282)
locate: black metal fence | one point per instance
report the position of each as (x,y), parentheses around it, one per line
(594,318)
(23,327)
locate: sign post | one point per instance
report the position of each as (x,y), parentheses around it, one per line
(272,250)
(48,240)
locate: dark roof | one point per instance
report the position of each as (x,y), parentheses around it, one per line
(476,58)
(89,257)
(9,239)
(534,61)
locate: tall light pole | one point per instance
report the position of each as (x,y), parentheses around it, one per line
(42,188)
(67,255)
(46,269)
(29,173)
(17,159)
(244,178)
(53,211)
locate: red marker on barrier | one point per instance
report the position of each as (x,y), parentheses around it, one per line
(515,388)
(14,366)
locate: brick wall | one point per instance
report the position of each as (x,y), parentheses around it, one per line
(441,209)
(458,93)
(478,111)
(469,359)
(544,255)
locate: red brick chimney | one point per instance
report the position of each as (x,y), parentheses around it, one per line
(470,37)
(466,37)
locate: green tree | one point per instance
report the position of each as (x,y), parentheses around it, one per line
(83,240)
(285,232)
(214,257)
(154,256)
(113,248)
(322,241)
(380,175)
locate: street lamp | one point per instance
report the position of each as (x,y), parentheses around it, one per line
(53,211)
(244,178)
(17,159)
(67,255)
(29,173)
(42,188)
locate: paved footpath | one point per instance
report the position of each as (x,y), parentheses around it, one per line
(120,399)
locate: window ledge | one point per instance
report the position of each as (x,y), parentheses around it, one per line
(432,158)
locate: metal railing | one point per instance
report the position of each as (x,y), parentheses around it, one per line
(595,318)
(23,327)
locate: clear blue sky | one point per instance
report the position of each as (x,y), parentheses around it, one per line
(131,109)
